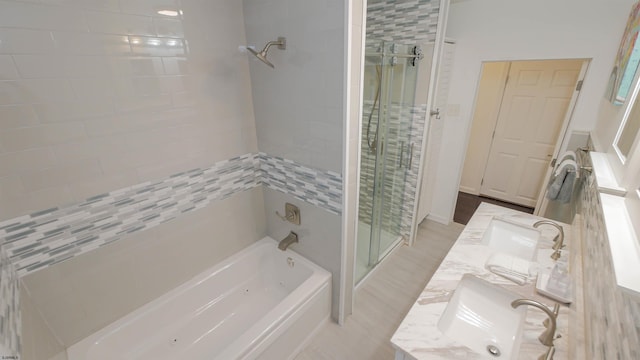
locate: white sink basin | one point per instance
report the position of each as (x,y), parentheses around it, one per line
(480,317)
(512,238)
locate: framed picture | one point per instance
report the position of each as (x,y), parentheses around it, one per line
(627,60)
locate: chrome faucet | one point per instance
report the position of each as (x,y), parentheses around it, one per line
(286,242)
(547,337)
(558,239)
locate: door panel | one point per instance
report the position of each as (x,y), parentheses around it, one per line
(534,104)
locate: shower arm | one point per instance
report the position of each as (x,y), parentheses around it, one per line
(281,42)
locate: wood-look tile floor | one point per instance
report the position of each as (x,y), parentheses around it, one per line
(384,299)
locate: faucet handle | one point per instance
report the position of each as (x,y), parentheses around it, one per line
(556,310)
(549,354)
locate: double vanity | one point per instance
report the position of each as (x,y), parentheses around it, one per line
(468,312)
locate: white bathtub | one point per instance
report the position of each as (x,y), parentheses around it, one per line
(259,303)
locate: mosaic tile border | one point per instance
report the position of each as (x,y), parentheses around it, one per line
(612,320)
(320,188)
(403,20)
(50,236)
(10,323)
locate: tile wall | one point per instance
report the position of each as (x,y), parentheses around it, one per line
(299,105)
(612,318)
(407,22)
(101,95)
(300,109)
(10,324)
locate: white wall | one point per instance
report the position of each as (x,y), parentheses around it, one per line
(521,30)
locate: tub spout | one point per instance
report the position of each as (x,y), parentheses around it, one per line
(290,239)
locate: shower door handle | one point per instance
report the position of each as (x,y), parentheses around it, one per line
(410,160)
(401,155)
(436,112)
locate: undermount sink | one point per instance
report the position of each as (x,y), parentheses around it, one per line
(480,317)
(512,238)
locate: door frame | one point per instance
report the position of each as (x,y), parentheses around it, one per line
(443,16)
(561,143)
(562,135)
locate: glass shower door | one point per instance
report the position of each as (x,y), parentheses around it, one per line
(390,81)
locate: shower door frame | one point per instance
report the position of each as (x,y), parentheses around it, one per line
(396,78)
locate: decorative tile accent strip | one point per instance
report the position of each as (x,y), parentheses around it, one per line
(50,236)
(612,316)
(403,20)
(317,187)
(10,324)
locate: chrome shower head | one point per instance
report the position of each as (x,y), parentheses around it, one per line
(262,55)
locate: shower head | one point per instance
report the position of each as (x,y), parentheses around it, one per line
(262,55)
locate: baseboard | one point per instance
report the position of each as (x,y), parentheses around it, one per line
(439,219)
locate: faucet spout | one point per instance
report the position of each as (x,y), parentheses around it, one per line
(559,239)
(290,239)
(547,337)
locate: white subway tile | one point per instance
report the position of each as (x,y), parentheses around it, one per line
(40,136)
(166,27)
(10,187)
(175,84)
(107,5)
(37,16)
(184,100)
(7,68)
(136,66)
(45,90)
(40,66)
(89,148)
(13,92)
(65,174)
(15,116)
(155,46)
(86,66)
(25,41)
(107,182)
(17,162)
(143,103)
(175,65)
(93,89)
(73,43)
(148,7)
(59,112)
(122,24)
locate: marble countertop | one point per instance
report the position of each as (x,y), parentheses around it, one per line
(418,336)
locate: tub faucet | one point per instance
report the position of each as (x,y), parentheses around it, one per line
(547,337)
(290,239)
(558,239)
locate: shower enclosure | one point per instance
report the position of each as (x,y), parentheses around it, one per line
(390,79)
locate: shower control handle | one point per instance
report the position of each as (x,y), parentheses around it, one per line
(436,112)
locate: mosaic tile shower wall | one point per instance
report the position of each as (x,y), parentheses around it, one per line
(403,21)
(612,318)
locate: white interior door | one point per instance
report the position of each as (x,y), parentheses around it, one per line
(533,108)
